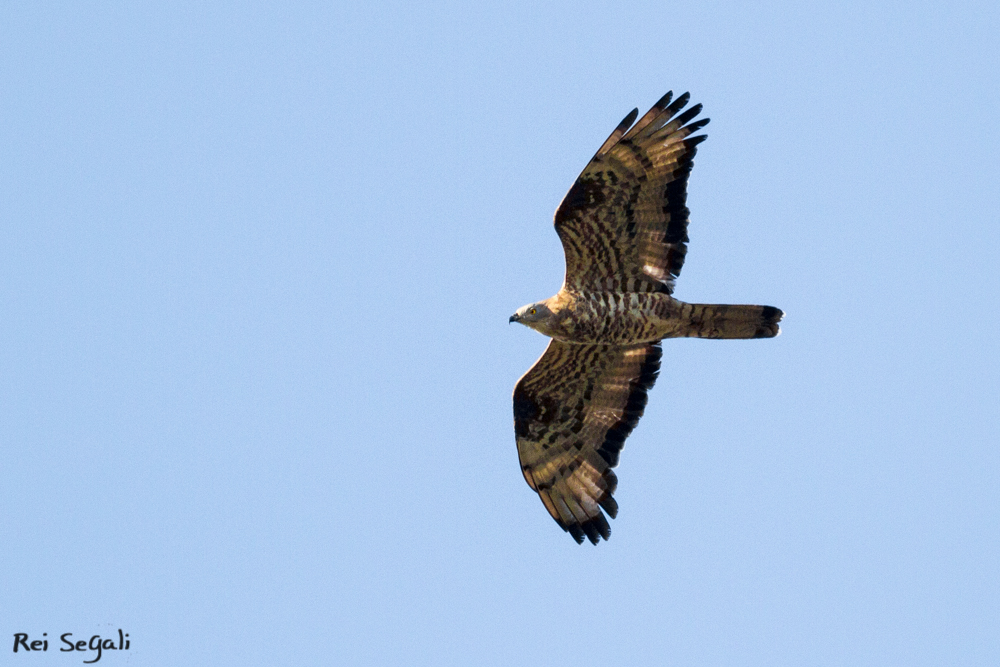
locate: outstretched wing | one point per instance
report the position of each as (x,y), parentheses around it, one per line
(623,224)
(572,413)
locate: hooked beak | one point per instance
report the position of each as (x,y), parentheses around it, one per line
(514,318)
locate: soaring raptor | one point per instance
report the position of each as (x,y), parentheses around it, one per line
(623,227)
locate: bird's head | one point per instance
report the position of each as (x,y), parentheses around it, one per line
(535,315)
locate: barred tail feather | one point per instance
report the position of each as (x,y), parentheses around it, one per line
(722,321)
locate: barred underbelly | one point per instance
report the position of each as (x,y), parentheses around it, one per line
(606,317)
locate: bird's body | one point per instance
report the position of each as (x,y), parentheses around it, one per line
(624,318)
(623,226)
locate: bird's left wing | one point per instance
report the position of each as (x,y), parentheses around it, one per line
(572,412)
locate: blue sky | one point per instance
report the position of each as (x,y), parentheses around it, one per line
(256,265)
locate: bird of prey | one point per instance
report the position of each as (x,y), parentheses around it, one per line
(623,227)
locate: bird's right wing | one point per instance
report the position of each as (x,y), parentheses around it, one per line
(572,412)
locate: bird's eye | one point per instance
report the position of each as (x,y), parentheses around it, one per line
(532,311)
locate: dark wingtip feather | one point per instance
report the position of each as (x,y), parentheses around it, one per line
(692,146)
(679,103)
(664,101)
(689,114)
(698,124)
(619,132)
(629,119)
(599,525)
(593,529)
(602,526)
(610,483)
(575,530)
(609,505)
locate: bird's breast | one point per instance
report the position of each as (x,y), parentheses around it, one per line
(609,317)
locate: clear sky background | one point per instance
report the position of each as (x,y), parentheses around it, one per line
(256,265)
